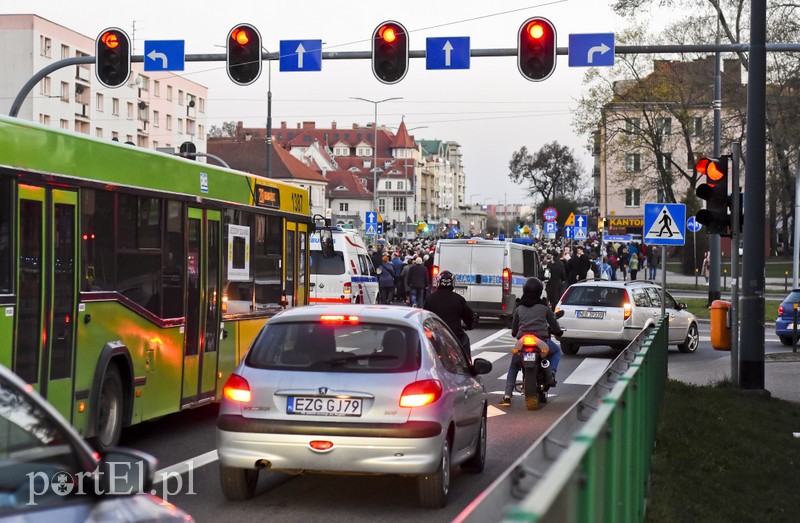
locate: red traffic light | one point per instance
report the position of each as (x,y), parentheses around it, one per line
(715,192)
(536,49)
(390,52)
(112,57)
(712,168)
(243,54)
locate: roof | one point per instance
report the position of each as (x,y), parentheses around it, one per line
(402,140)
(250,156)
(353,189)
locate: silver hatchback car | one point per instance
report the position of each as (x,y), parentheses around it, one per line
(353,389)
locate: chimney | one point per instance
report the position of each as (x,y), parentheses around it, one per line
(283,125)
(308,125)
(333,125)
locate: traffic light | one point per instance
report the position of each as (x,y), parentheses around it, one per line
(390,52)
(715,192)
(243,60)
(536,49)
(112,57)
(188,150)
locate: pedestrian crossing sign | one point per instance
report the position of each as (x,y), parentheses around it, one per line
(664,224)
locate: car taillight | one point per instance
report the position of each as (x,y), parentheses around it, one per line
(626,310)
(780,310)
(421,393)
(506,281)
(237,389)
(348,288)
(435,271)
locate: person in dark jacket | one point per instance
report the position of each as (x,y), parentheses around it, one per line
(386,280)
(532,316)
(555,281)
(417,281)
(452,308)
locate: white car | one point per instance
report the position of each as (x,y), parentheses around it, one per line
(602,312)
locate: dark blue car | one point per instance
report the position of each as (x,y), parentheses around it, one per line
(784,324)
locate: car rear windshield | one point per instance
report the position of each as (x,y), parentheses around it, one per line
(322,265)
(595,296)
(336,347)
(793,297)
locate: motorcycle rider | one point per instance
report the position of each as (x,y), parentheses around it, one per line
(452,308)
(532,316)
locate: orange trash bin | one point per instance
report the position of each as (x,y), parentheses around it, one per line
(720,325)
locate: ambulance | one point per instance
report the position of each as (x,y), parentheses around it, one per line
(340,268)
(488,273)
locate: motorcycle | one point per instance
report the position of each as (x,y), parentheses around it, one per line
(536,376)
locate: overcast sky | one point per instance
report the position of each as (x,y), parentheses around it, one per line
(490,109)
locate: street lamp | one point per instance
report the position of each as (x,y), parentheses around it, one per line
(269,115)
(375,146)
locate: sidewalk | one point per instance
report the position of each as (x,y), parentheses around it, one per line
(771,285)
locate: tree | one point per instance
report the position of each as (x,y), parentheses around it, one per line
(551,172)
(783,76)
(228,130)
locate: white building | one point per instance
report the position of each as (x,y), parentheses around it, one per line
(156,110)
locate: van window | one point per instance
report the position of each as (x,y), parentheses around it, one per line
(529,264)
(322,265)
(366,265)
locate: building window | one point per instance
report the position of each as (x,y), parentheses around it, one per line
(201,130)
(169,122)
(65,91)
(156,88)
(666,162)
(64,124)
(400,186)
(44,86)
(388,186)
(664,125)
(344,207)
(180,97)
(156,118)
(381,205)
(115,106)
(144,85)
(98,132)
(99,102)
(45,46)
(398,204)
(130,110)
(698,125)
(64,52)
(632,197)
(632,126)
(180,125)
(201,105)
(632,163)
(169,93)
(44,119)
(114,136)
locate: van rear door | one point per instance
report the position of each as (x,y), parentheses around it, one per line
(487,274)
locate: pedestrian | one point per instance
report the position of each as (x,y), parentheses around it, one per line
(652,261)
(386,280)
(706,270)
(453,309)
(417,281)
(554,284)
(633,265)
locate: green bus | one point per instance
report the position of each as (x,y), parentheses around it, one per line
(132,281)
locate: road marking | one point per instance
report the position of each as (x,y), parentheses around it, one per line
(186,466)
(489,339)
(492,411)
(588,372)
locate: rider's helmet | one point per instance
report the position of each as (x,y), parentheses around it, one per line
(446,280)
(533,286)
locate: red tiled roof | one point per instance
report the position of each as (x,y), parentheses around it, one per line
(250,156)
(350,181)
(403,140)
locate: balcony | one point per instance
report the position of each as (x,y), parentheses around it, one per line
(82,111)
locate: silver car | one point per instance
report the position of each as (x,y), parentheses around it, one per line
(602,312)
(353,389)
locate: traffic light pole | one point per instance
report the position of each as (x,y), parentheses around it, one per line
(715,240)
(736,153)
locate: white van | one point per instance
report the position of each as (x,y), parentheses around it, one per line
(488,273)
(343,274)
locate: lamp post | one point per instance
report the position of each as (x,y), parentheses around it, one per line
(375,146)
(269,116)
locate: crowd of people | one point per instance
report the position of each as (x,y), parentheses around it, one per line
(405,269)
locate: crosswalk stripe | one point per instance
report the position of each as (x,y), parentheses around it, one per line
(588,372)
(491,356)
(489,339)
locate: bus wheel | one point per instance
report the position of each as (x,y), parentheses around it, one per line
(108,422)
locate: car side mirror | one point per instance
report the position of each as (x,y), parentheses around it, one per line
(126,471)
(559,314)
(481,366)
(682,306)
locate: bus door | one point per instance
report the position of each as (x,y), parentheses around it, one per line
(202,307)
(296,252)
(44,355)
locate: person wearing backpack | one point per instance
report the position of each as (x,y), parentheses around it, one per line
(386,280)
(606,272)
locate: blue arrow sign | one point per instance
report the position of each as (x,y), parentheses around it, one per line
(447,52)
(591,50)
(569,231)
(301,55)
(163,55)
(372,217)
(693,225)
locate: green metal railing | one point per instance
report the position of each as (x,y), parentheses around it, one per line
(604,473)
